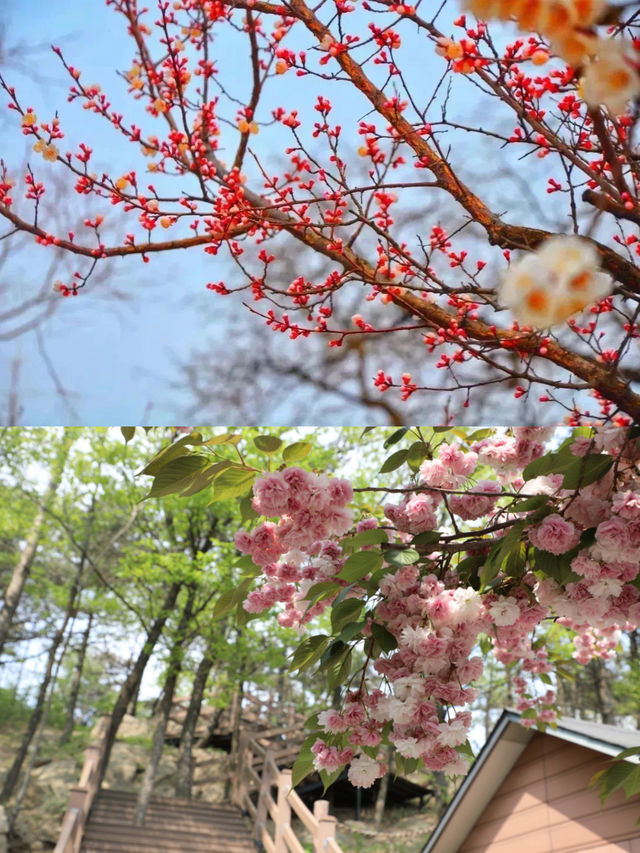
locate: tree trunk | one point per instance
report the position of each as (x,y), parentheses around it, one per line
(133,704)
(381,799)
(184,772)
(236,717)
(135,676)
(604,698)
(11,779)
(634,661)
(36,715)
(36,744)
(75,685)
(164,710)
(22,568)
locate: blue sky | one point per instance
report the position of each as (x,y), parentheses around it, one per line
(115,349)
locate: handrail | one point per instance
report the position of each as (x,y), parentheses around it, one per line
(248,782)
(82,795)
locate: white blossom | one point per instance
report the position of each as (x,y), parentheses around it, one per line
(504,612)
(563,277)
(610,78)
(363,771)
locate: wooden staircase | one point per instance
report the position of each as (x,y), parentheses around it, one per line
(101,820)
(171,826)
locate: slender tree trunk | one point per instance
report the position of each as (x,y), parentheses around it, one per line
(441,795)
(36,715)
(381,799)
(164,710)
(561,697)
(75,685)
(36,744)
(22,568)
(634,660)
(133,705)
(236,716)
(602,688)
(11,779)
(135,676)
(184,774)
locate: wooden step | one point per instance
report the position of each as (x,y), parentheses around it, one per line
(193,808)
(157,842)
(226,830)
(171,826)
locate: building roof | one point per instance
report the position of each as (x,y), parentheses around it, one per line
(505,745)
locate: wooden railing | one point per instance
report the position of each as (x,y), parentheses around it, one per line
(82,795)
(256,772)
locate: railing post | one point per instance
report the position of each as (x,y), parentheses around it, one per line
(4,831)
(326,826)
(261,807)
(239,782)
(81,796)
(283,810)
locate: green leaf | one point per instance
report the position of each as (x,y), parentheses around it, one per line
(391,463)
(556,566)
(245,563)
(384,638)
(349,631)
(176,475)
(268,443)
(360,564)
(224,603)
(550,463)
(627,753)
(632,783)
(376,536)
(303,767)
(345,613)
(308,652)
(527,504)
(395,437)
(171,451)
(232,483)
(427,537)
(322,590)
(226,438)
(247,512)
(340,673)
(311,723)
(418,452)
(515,563)
(478,435)
(401,556)
(501,551)
(613,778)
(467,569)
(333,654)
(586,470)
(344,592)
(329,778)
(297,451)
(466,749)
(205,478)
(127,433)
(231,597)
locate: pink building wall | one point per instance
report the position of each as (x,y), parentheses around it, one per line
(543,806)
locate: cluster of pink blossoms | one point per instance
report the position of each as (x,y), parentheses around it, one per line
(298,551)
(437,621)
